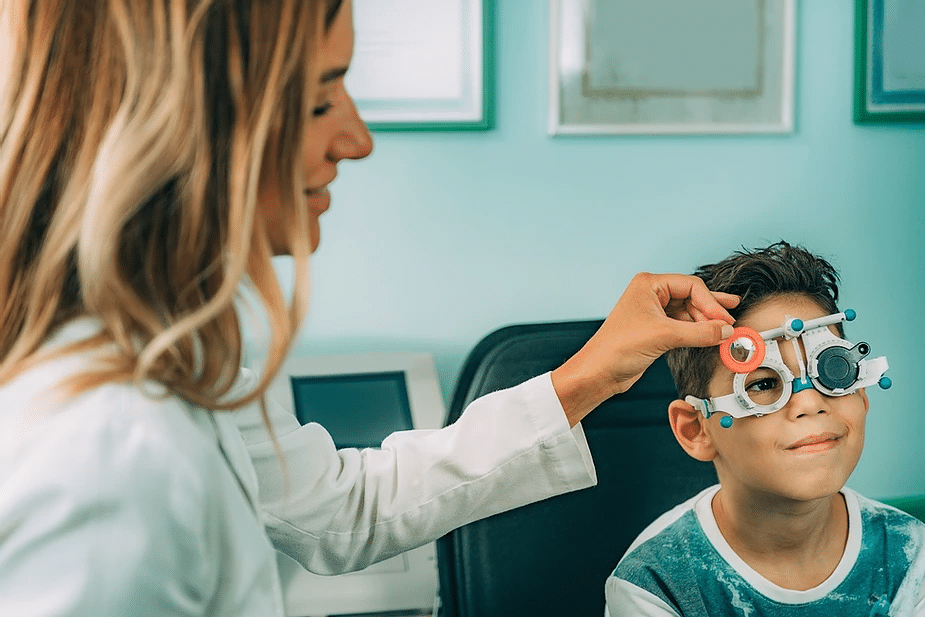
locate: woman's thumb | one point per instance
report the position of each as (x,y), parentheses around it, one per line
(702,333)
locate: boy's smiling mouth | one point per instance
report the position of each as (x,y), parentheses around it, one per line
(816,443)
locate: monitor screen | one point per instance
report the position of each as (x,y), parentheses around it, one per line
(358,410)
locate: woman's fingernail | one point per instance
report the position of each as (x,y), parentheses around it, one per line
(727,331)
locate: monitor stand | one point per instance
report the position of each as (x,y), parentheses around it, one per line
(402,585)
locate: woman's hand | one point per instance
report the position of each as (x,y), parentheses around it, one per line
(656,312)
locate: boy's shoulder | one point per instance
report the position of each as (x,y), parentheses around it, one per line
(682,564)
(882,513)
(662,568)
(884,527)
(897,535)
(677,523)
(664,549)
(894,548)
(890,531)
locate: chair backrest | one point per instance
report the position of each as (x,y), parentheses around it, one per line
(553,557)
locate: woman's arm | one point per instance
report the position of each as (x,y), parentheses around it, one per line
(656,312)
(335,511)
(340,510)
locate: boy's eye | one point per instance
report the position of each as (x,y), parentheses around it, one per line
(763,387)
(762,384)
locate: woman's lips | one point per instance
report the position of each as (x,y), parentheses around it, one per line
(319,200)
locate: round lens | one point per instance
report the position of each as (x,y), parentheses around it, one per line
(838,366)
(742,349)
(764,386)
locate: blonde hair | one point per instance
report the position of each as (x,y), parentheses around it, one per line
(133,140)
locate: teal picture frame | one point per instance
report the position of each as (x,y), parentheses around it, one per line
(879,55)
(471,109)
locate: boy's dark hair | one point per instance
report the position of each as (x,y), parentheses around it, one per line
(755,276)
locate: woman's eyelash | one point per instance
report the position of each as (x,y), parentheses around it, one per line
(322,109)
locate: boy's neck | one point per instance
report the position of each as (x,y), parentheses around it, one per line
(795,545)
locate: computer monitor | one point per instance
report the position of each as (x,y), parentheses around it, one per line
(360,399)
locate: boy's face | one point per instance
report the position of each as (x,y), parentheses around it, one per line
(804,451)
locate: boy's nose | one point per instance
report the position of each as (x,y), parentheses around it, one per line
(807,401)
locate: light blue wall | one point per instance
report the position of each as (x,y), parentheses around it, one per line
(438,239)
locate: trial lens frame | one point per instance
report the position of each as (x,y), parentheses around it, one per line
(833,366)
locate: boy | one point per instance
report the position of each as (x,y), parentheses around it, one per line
(781,415)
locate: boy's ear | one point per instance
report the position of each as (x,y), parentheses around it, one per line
(862,392)
(691,431)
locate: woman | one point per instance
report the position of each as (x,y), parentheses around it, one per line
(154,157)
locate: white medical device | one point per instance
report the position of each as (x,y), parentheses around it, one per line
(763,384)
(360,399)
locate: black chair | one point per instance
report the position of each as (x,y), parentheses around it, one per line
(553,557)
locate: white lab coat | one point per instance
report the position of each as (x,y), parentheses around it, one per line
(117,503)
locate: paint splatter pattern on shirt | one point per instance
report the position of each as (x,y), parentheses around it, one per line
(682,566)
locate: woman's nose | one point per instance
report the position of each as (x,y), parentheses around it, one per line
(353,140)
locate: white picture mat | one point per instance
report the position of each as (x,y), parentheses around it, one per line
(418,61)
(716,66)
(904,45)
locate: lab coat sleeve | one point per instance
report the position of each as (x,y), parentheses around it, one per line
(336,511)
(98,519)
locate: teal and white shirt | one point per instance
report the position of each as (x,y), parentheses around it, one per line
(682,565)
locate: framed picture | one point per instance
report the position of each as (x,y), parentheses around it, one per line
(889,61)
(663,66)
(422,64)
